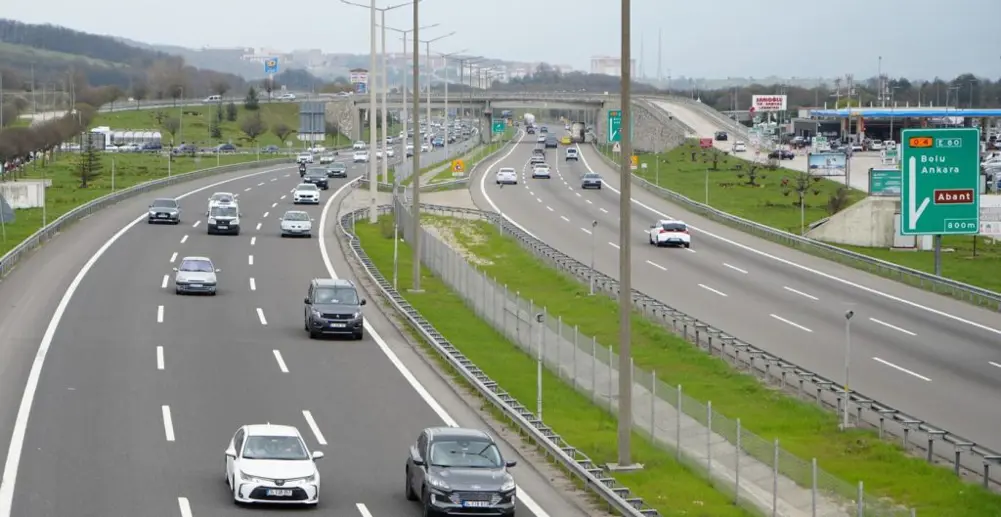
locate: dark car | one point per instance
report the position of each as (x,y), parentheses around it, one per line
(590,180)
(530,130)
(164,210)
(457,471)
(225,148)
(552,142)
(316,176)
(782,154)
(333,307)
(543,129)
(721,136)
(337,170)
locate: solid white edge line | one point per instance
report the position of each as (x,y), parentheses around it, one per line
(260,316)
(13,461)
(892,326)
(280,360)
(313,427)
(790,323)
(483,190)
(168,423)
(901,369)
(819,273)
(184,506)
(363,510)
(801,293)
(435,406)
(166,279)
(159,313)
(159,357)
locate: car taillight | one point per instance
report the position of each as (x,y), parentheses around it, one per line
(662,231)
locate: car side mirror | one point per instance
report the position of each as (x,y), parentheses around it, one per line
(175,269)
(317,455)
(418,462)
(305,300)
(231,452)
(510,464)
(206,213)
(151,206)
(363,301)
(218,271)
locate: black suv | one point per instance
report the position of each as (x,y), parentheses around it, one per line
(456,471)
(337,170)
(721,136)
(333,307)
(317,177)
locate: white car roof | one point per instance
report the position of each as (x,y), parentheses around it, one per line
(205,259)
(306,186)
(272,430)
(506,169)
(674,221)
(230,194)
(542,166)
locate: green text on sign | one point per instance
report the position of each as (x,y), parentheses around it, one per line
(940,192)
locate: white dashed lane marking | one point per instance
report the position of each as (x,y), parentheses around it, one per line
(735,268)
(790,323)
(656,265)
(163,284)
(801,293)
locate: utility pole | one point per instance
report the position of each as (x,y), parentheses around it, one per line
(660,50)
(415,165)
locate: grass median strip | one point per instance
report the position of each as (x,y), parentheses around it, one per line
(768,201)
(802,428)
(664,483)
(66,193)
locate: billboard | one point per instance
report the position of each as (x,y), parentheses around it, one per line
(885,182)
(359,79)
(768,103)
(826,164)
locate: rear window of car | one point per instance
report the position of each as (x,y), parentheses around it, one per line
(505,170)
(675,227)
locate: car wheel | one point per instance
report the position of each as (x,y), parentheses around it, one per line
(408,491)
(688,245)
(428,511)
(309,235)
(358,336)
(312,334)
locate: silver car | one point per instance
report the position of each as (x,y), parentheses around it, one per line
(196,275)
(296,222)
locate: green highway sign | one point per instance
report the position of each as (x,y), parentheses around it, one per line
(884,182)
(614,125)
(940,191)
(498,126)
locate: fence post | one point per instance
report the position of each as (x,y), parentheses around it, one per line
(559,346)
(775,479)
(709,437)
(483,285)
(677,438)
(653,406)
(861,500)
(575,335)
(736,484)
(611,370)
(594,368)
(504,310)
(813,488)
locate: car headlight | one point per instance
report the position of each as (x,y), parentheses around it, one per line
(316,313)
(508,486)
(211,220)
(151,211)
(357,314)
(251,479)
(438,483)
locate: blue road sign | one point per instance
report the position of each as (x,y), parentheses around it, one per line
(271,65)
(361,88)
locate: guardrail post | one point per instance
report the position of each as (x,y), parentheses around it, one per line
(932,436)
(775,479)
(960,449)
(677,430)
(709,438)
(736,459)
(987,468)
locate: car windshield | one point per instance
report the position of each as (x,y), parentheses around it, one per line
(306,186)
(592,176)
(295,216)
(674,227)
(336,295)
(338,165)
(223,211)
(506,171)
(165,203)
(196,266)
(465,454)
(274,448)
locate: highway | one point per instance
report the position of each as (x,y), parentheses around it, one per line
(142,389)
(927,355)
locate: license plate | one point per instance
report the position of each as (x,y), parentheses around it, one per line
(338,325)
(196,285)
(162,216)
(475,504)
(222,225)
(280,492)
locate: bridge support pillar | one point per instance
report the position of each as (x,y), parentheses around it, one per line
(486,124)
(356,124)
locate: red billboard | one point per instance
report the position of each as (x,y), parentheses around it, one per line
(705,143)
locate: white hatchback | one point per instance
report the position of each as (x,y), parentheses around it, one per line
(541,171)
(359,146)
(739,147)
(507,176)
(271,464)
(361,157)
(296,223)
(670,232)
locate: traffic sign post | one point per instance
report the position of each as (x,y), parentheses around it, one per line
(498,125)
(458,167)
(941,181)
(614,125)
(635,161)
(271,65)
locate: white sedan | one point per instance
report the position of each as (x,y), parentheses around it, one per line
(507,176)
(296,223)
(390,153)
(271,464)
(306,193)
(669,232)
(359,146)
(739,147)
(361,157)
(541,171)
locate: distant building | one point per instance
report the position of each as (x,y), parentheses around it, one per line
(610,65)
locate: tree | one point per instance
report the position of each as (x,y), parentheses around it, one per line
(251,102)
(839,200)
(268,85)
(282,131)
(171,125)
(253,126)
(140,90)
(89,162)
(231,112)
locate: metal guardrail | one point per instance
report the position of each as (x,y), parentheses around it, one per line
(46,233)
(941,285)
(962,455)
(590,474)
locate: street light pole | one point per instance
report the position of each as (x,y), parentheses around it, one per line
(385,105)
(848,362)
(625,428)
(403,81)
(594,230)
(448,129)
(415,165)
(430,73)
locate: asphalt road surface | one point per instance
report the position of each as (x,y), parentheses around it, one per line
(927,355)
(142,389)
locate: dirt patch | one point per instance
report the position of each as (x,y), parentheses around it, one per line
(459,235)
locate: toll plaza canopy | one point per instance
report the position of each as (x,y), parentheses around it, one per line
(905,112)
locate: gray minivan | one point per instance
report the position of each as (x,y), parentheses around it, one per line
(333,306)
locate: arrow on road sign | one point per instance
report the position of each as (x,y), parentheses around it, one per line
(914,211)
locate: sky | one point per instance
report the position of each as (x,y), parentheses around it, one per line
(716,39)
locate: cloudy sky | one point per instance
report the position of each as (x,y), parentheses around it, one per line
(717,38)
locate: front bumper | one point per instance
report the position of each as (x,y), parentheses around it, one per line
(233,229)
(163,217)
(191,288)
(263,492)
(306,200)
(493,505)
(591,185)
(296,231)
(338,174)
(336,326)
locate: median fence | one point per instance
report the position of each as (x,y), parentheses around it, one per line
(756,471)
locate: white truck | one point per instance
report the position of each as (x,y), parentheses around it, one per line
(529,119)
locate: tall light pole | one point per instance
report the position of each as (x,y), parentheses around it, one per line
(373,105)
(848,363)
(403,80)
(415,165)
(448,129)
(430,73)
(625,248)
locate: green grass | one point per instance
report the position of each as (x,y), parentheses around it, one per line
(196,121)
(66,194)
(766,204)
(802,428)
(664,483)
